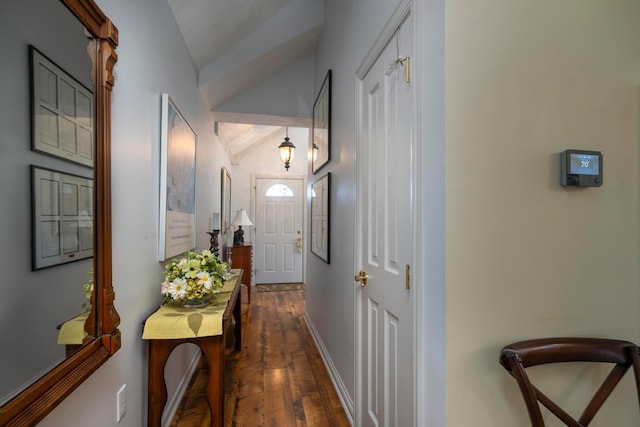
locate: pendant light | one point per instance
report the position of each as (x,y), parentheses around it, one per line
(286,150)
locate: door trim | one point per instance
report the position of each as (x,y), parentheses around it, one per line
(396,20)
(429,275)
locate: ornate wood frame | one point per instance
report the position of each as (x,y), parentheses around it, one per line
(35,402)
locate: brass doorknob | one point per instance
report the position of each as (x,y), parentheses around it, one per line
(362,278)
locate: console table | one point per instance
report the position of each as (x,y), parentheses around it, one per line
(207,328)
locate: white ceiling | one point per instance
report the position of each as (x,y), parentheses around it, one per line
(241,138)
(237,44)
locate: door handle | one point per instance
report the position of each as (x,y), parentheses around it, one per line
(299,241)
(362,278)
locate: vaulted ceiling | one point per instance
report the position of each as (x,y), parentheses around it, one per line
(237,44)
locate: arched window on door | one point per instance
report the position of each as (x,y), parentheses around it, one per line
(279,190)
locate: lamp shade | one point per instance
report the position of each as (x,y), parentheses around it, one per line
(241,218)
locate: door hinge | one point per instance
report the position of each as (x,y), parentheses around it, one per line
(408,277)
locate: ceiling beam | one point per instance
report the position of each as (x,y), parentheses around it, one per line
(261,119)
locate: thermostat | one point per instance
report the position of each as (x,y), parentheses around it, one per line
(580,168)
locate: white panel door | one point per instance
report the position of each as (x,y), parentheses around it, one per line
(384,332)
(278,248)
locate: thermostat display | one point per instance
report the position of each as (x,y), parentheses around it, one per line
(585,164)
(581,168)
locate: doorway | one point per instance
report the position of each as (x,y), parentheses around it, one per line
(279,232)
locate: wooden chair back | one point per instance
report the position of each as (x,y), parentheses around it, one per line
(516,357)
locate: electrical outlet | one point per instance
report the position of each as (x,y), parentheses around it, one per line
(121,402)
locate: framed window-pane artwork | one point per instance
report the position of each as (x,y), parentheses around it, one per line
(62,228)
(320,217)
(177,183)
(62,112)
(321,129)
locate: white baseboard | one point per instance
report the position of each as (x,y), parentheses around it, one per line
(338,384)
(173,402)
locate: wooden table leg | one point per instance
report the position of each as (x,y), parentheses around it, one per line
(213,349)
(237,332)
(159,351)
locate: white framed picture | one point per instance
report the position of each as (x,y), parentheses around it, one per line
(177,183)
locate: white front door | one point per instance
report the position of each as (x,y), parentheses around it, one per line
(278,228)
(384,323)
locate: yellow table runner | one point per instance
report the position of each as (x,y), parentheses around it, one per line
(72,331)
(171,321)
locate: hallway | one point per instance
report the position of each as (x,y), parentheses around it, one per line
(278,380)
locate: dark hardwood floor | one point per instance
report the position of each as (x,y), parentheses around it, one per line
(277,380)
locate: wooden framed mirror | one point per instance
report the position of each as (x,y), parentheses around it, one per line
(37,397)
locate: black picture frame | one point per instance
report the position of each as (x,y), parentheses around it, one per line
(321,129)
(321,218)
(62,217)
(62,116)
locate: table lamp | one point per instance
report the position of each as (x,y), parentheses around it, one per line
(240,220)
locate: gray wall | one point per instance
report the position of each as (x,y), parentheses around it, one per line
(287,93)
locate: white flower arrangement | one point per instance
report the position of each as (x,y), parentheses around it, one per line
(193,278)
(87,288)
